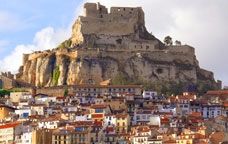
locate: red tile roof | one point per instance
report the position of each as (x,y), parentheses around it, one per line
(9,125)
(99,106)
(97,116)
(217,92)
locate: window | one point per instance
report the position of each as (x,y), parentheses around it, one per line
(137,117)
(98,110)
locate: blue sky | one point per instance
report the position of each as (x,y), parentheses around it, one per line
(21,19)
(27,26)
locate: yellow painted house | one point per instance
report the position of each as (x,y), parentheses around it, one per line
(122,123)
(5,111)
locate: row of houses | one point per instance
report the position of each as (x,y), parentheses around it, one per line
(123,117)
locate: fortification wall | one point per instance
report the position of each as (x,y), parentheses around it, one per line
(168,57)
(57,92)
(183,49)
(120,21)
(7,83)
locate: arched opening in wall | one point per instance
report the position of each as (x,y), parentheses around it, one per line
(132,9)
(124,9)
(159,71)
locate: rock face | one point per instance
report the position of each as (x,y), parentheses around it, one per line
(110,45)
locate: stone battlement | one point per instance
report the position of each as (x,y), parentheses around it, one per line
(99,11)
(120,21)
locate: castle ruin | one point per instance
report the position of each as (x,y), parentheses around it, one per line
(106,43)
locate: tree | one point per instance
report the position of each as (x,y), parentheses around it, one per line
(177,42)
(65,92)
(168,41)
(4,92)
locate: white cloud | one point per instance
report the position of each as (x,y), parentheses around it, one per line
(47,38)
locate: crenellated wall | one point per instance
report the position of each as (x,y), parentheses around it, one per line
(96,20)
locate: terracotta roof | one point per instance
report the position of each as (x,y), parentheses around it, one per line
(99,106)
(95,116)
(217,137)
(225,103)
(121,115)
(9,125)
(217,92)
(109,129)
(170,142)
(195,114)
(60,98)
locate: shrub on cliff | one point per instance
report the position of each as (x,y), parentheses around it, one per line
(55,77)
(121,79)
(4,92)
(65,44)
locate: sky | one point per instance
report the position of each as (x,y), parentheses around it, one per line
(27,26)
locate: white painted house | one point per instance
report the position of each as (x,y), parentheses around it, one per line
(109,119)
(211,110)
(149,94)
(23,113)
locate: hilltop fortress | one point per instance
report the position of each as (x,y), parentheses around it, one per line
(112,46)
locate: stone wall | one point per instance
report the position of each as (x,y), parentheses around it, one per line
(183,49)
(97,20)
(7,83)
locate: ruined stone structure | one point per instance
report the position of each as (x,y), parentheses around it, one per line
(105,45)
(7,81)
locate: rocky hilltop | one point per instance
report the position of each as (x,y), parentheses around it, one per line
(113,46)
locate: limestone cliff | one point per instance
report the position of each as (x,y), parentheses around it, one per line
(105,45)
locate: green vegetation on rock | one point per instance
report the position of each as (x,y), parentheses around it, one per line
(55,77)
(4,92)
(66,92)
(121,79)
(65,44)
